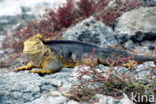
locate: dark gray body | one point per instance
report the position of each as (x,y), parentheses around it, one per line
(66,48)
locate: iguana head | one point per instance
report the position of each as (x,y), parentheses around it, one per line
(33,46)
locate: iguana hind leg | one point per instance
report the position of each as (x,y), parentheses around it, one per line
(130,64)
(29,66)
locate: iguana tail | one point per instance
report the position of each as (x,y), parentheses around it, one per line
(141,58)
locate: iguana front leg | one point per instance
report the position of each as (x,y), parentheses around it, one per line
(29,66)
(41,71)
(48,67)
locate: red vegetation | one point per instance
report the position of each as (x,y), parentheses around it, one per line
(113,81)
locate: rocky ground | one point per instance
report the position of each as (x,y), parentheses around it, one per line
(23,87)
(134,31)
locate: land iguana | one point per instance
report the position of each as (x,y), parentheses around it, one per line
(52,55)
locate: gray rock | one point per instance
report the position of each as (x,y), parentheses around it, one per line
(50,100)
(142,43)
(9,23)
(151,47)
(141,70)
(126,100)
(72,102)
(145,69)
(151,2)
(93,32)
(142,19)
(25,9)
(140,37)
(110,100)
(143,48)
(129,44)
(1,38)
(122,38)
(23,87)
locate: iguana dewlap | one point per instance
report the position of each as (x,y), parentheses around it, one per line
(53,55)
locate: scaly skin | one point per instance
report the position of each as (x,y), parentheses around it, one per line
(53,55)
